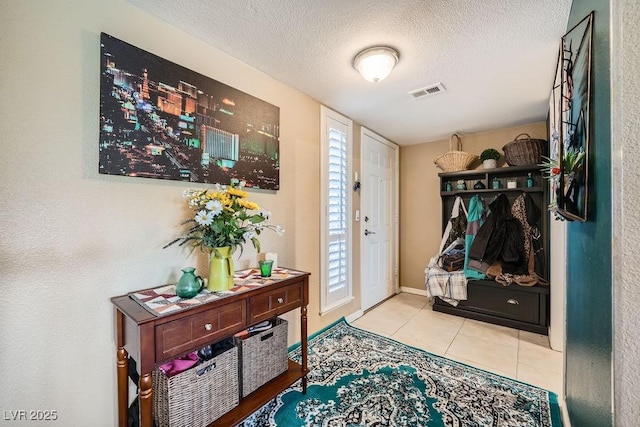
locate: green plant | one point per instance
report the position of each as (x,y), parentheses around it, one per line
(572,161)
(490,153)
(223,218)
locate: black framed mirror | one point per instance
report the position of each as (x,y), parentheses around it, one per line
(575,124)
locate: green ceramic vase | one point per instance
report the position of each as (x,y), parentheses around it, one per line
(220,269)
(189,284)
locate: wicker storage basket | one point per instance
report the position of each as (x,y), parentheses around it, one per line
(525,151)
(262,356)
(455,160)
(199,395)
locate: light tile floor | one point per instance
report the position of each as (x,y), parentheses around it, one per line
(521,355)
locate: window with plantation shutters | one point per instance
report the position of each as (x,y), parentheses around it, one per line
(336,201)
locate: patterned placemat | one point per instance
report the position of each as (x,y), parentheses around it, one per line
(163,300)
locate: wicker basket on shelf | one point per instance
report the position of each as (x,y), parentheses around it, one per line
(524,151)
(262,356)
(453,161)
(200,395)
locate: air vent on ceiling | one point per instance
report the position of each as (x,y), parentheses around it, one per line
(427,91)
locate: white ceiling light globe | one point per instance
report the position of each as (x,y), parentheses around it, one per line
(375,63)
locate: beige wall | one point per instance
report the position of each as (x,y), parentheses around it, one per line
(72,238)
(420,208)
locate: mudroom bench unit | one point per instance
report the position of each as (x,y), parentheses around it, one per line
(515,306)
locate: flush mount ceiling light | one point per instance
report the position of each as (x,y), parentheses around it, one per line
(375,63)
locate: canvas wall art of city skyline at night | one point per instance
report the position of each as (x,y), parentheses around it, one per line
(161,120)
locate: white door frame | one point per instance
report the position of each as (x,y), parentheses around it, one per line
(396,209)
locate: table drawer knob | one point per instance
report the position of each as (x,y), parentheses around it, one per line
(512,301)
(280,300)
(208,326)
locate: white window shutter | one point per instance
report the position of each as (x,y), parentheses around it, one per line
(336,233)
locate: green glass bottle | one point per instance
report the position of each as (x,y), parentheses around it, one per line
(530,181)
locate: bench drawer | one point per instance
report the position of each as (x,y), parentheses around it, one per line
(508,302)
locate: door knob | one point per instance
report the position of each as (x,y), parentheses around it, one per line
(367,232)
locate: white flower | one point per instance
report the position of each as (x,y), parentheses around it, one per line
(240,223)
(214,206)
(264,214)
(204,217)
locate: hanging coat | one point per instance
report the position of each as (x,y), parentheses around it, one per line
(533,216)
(498,239)
(526,214)
(476,215)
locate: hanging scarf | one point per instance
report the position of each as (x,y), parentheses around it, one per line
(476,216)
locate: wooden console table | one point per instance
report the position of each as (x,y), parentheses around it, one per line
(152,340)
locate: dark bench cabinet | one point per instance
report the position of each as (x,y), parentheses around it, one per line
(515,306)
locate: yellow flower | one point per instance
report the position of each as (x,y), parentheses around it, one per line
(248,205)
(236,192)
(222,219)
(226,201)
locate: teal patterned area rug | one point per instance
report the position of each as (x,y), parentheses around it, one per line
(359,378)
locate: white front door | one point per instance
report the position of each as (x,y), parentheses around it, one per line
(379,218)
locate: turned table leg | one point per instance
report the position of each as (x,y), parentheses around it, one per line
(146,393)
(123,387)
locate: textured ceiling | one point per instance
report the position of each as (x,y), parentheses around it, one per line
(496,58)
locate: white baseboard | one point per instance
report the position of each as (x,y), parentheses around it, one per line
(415,291)
(354,316)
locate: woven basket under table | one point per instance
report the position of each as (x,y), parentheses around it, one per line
(262,357)
(199,395)
(458,160)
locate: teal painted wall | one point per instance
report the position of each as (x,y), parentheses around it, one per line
(589,279)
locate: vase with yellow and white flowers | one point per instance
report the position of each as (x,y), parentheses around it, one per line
(224,220)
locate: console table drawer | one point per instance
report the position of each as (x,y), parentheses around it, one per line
(178,336)
(507,302)
(278,301)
